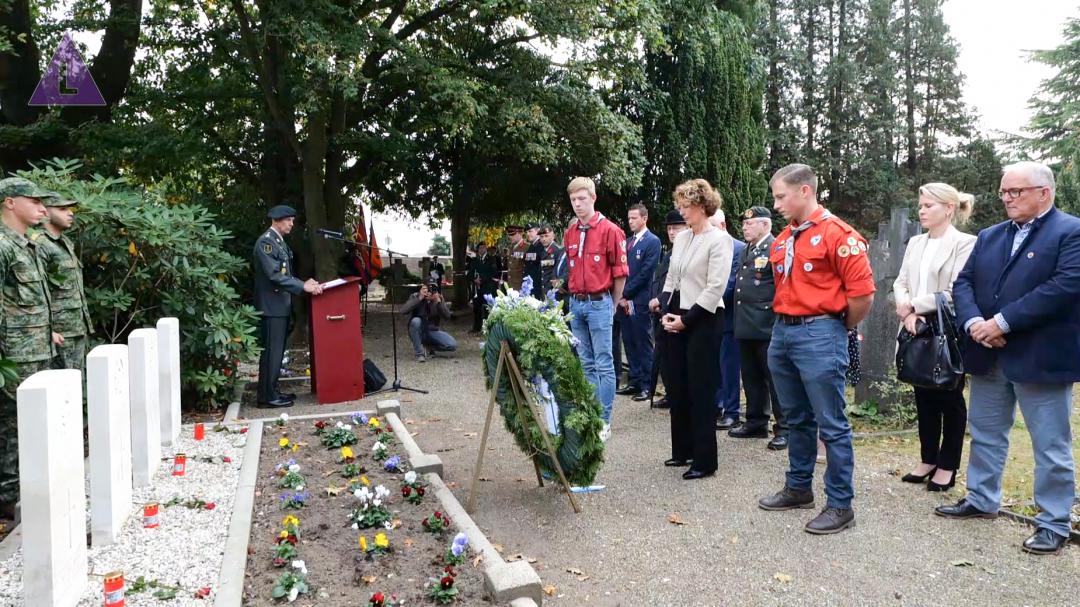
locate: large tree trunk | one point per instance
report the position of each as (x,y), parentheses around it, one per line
(808,80)
(909,87)
(19,71)
(460,217)
(773,118)
(111,69)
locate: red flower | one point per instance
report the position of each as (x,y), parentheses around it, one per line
(209,505)
(203,593)
(449,570)
(420,490)
(226,371)
(320,424)
(447,582)
(278,562)
(243,430)
(227,459)
(438,514)
(405,491)
(376,600)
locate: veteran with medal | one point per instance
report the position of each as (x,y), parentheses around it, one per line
(754,318)
(275,286)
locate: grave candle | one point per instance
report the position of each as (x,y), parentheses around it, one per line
(114,589)
(179,465)
(150,516)
(200,432)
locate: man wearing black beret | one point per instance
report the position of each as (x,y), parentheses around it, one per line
(275,286)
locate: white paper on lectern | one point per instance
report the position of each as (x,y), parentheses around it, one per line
(337,282)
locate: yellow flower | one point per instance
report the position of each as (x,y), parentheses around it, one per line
(381,541)
(132,249)
(364,481)
(295,446)
(373,422)
(346,453)
(290,520)
(283,442)
(284,534)
(363,543)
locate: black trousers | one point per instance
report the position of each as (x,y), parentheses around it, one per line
(757,383)
(273,330)
(480,311)
(691,378)
(942,421)
(659,343)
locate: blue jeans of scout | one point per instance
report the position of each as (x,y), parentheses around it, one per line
(1046,414)
(440,341)
(591,325)
(808,363)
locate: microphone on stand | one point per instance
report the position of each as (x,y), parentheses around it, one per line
(328,233)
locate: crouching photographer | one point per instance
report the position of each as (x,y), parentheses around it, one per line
(426,309)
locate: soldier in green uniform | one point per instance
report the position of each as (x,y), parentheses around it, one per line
(549,259)
(70,314)
(275,286)
(515,263)
(26,337)
(754,319)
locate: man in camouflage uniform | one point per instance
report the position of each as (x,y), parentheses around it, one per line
(70,315)
(26,337)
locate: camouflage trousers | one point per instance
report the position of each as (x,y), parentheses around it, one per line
(72,355)
(9,431)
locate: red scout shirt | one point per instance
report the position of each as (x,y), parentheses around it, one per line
(596,256)
(830,266)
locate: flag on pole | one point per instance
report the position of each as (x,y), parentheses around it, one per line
(366,259)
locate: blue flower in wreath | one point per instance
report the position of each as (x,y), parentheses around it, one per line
(526,286)
(490,299)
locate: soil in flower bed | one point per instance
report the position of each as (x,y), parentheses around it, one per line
(338,572)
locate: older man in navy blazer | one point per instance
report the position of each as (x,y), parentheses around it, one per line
(642,253)
(1017,300)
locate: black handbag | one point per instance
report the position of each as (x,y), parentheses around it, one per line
(931,357)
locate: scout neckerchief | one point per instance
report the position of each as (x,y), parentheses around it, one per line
(789,250)
(583,228)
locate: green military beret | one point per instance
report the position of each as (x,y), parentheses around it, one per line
(757,213)
(281,211)
(17,186)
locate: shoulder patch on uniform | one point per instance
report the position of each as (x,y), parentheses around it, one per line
(35,235)
(268,248)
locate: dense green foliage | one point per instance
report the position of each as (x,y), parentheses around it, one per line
(145,258)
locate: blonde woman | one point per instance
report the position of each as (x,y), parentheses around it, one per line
(932,262)
(692,303)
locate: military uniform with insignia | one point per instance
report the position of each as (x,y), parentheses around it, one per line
(549,261)
(515,264)
(754,319)
(533,254)
(25,326)
(70,313)
(275,286)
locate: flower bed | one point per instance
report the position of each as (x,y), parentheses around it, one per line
(340,520)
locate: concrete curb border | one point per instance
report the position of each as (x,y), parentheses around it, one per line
(230,591)
(1074,536)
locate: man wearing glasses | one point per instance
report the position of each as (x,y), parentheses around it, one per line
(1016,299)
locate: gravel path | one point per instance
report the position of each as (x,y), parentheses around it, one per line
(186,550)
(624,551)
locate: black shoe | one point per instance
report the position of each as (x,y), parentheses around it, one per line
(676,463)
(932,486)
(748,431)
(692,475)
(778,442)
(640,396)
(914,478)
(286,396)
(831,520)
(963,509)
(726,423)
(662,404)
(628,390)
(788,499)
(1045,541)
(277,403)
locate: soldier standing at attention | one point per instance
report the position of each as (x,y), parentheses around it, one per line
(274,287)
(549,260)
(515,263)
(533,254)
(484,273)
(26,337)
(70,314)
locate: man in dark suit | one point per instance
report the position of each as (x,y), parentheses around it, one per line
(275,286)
(1016,299)
(754,290)
(484,275)
(674,223)
(727,397)
(549,260)
(533,255)
(643,254)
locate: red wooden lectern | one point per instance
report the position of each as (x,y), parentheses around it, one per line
(337,348)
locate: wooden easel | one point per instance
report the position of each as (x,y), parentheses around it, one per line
(521,396)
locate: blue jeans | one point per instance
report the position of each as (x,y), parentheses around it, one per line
(637,338)
(808,363)
(727,396)
(591,325)
(1046,414)
(440,341)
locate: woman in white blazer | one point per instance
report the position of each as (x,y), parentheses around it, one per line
(932,262)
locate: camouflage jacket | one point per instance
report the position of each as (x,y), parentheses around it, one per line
(25,327)
(70,314)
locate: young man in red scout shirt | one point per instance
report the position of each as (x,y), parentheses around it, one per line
(597,269)
(824,287)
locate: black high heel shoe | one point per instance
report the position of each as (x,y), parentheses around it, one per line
(932,486)
(913,478)
(676,463)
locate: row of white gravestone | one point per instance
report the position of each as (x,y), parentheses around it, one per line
(133,408)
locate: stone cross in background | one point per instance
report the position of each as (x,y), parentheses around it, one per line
(880,327)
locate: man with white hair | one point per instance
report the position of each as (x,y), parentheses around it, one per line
(1016,299)
(727,397)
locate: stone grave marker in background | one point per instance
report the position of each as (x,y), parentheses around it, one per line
(145,411)
(168,338)
(109,411)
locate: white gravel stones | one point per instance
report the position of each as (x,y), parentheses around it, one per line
(185,550)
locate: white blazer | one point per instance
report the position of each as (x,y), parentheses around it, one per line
(953,250)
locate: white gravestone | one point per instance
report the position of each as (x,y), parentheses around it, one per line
(52,484)
(168,330)
(145,412)
(109,412)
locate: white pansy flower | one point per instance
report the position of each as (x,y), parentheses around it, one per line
(338,425)
(355,526)
(410,477)
(347,426)
(376,502)
(300,488)
(377,447)
(388,525)
(284,417)
(293,593)
(298,564)
(381,491)
(294,468)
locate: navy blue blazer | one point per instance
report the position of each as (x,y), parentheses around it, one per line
(642,258)
(1037,291)
(729,292)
